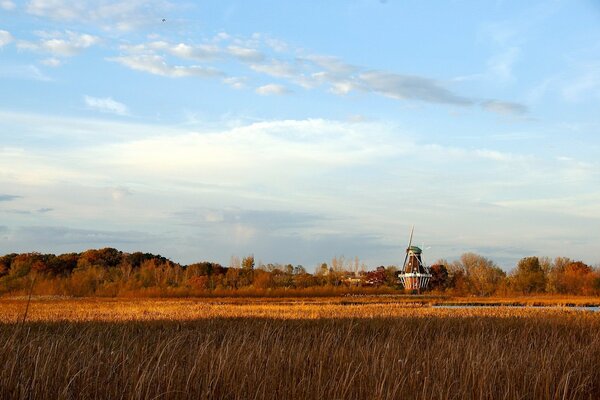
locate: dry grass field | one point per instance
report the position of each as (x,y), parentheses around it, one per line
(338,348)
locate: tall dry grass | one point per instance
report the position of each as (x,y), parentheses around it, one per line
(542,356)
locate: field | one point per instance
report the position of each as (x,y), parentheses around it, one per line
(323,348)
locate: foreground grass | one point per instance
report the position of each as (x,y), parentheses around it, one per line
(382,358)
(294,349)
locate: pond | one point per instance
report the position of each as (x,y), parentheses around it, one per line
(581,308)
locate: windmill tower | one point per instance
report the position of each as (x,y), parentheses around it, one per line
(414,275)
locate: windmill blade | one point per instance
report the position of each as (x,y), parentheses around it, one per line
(411,235)
(409,243)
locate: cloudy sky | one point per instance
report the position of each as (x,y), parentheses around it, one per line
(301,130)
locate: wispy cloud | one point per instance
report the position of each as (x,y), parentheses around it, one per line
(65,44)
(106,105)
(272,89)
(27,72)
(500,66)
(5,38)
(236,82)
(405,87)
(155,64)
(107,14)
(119,193)
(585,84)
(52,62)
(308,71)
(505,107)
(8,197)
(246,54)
(8,5)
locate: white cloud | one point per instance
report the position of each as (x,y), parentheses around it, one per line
(245,54)
(106,105)
(107,14)
(201,52)
(272,89)
(66,44)
(5,38)
(343,87)
(277,68)
(119,193)
(494,155)
(277,45)
(236,82)
(7,5)
(56,9)
(155,64)
(51,62)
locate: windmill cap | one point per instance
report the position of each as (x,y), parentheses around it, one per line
(415,249)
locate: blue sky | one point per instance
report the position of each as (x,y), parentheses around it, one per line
(301,130)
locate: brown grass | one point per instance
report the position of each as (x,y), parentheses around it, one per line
(320,349)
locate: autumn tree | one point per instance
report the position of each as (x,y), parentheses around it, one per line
(529,276)
(481,275)
(439,277)
(554,274)
(576,278)
(262,279)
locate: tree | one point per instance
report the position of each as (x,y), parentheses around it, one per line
(554,275)
(262,280)
(305,280)
(577,278)
(529,276)
(247,271)
(232,278)
(248,263)
(63,264)
(5,262)
(481,276)
(439,277)
(299,270)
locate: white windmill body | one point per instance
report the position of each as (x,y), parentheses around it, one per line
(414,275)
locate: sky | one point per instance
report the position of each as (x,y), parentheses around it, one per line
(298,131)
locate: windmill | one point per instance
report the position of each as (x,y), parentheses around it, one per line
(414,275)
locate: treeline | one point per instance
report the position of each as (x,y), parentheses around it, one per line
(473,274)
(110,272)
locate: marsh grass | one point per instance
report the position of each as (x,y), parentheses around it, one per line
(111,310)
(247,351)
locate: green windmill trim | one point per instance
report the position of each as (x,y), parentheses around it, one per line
(415,249)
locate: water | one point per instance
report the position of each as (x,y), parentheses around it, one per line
(580,308)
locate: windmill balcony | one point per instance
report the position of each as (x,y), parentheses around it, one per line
(414,280)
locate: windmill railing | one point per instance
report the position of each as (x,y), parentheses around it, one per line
(414,280)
